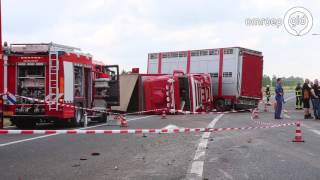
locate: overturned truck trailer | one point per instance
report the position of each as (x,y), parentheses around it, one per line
(236,73)
(177,91)
(190,92)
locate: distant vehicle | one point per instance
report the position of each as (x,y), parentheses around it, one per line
(62,76)
(236,73)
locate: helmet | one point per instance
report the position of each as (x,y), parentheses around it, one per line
(268,85)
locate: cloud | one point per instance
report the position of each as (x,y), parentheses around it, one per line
(124,32)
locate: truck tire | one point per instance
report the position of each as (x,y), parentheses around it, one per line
(60,123)
(220,105)
(24,123)
(103,118)
(78,120)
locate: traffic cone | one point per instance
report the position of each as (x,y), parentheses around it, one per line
(116,118)
(122,121)
(164,115)
(109,111)
(298,135)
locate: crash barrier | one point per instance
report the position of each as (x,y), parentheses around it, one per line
(139,131)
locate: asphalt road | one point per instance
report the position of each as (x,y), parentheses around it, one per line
(246,154)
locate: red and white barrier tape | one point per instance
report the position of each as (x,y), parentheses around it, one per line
(87,109)
(143,112)
(262,123)
(210,112)
(60,104)
(138,131)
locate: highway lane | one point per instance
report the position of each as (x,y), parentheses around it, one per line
(14,139)
(264,153)
(120,156)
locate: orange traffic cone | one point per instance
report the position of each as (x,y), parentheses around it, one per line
(123,122)
(298,135)
(164,115)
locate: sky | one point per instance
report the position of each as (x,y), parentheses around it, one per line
(124,31)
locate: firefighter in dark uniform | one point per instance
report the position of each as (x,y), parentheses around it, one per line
(268,94)
(299,96)
(306,96)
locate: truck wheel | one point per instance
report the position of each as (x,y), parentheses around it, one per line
(24,123)
(60,123)
(78,117)
(219,104)
(103,118)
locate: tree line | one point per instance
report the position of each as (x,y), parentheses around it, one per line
(287,81)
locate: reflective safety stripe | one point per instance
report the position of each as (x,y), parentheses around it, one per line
(298,93)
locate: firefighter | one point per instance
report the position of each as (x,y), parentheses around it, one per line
(306,96)
(298,96)
(279,99)
(268,94)
(315,99)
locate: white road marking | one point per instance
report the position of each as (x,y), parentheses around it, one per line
(196,170)
(286,116)
(171,126)
(226,175)
(138,118)
(8,127)
(45,136)
(311,129)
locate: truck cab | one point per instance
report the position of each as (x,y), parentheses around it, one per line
(178,92)
(106,91)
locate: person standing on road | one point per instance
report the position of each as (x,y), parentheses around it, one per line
(298,96)
(306,95)
(279,99)
(315,99)
(268,94)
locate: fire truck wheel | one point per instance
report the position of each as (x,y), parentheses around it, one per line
(103,118)
(78,119)
(24,123)
(220,105)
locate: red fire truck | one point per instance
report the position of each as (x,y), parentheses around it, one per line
(236,73)
(1,70)
(59,75)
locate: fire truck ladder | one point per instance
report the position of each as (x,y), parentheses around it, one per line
(53,80)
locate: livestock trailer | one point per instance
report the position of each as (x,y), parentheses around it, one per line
(236,72)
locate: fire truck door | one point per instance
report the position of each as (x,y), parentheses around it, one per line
(88,86)
(68,81)
(113,93)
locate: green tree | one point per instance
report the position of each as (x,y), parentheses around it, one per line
(287,81)
(266,80)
